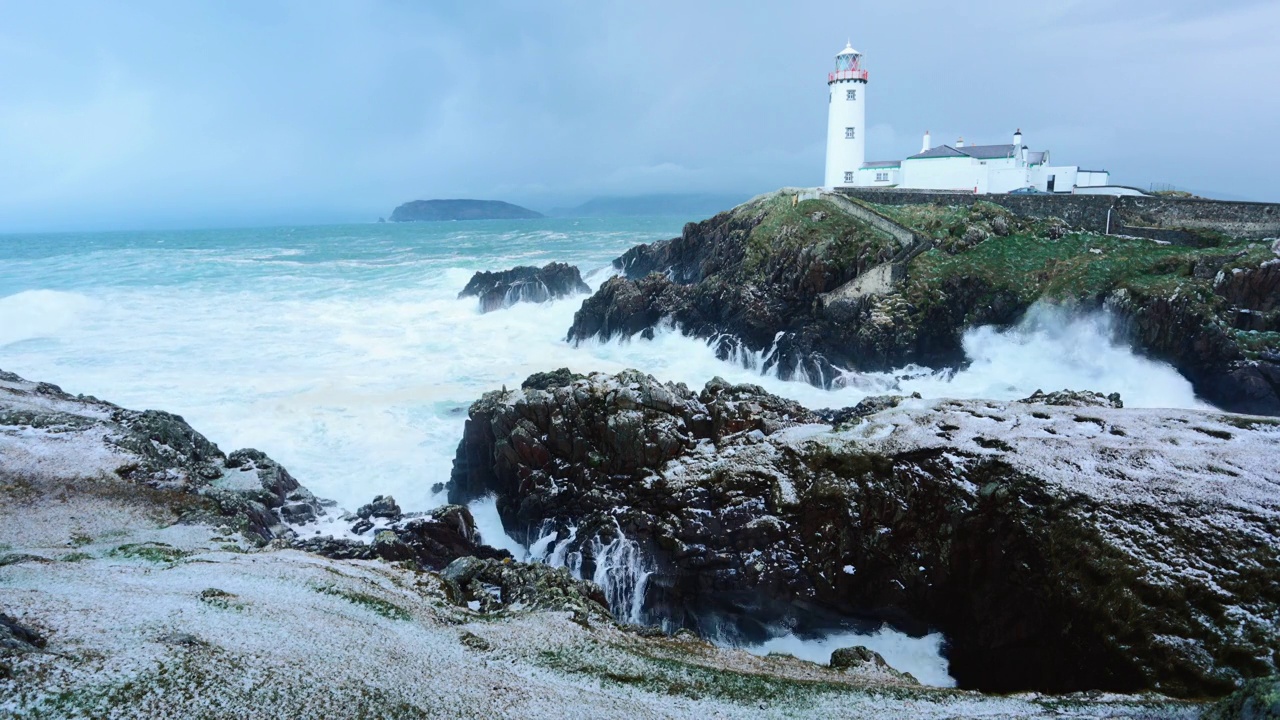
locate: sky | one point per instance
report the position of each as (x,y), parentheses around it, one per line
(242,112)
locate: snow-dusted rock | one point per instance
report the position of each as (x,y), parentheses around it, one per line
(117,600)
(1060,547)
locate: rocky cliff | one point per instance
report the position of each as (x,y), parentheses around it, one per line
(808,288)
(497,290)
(1061,543)
(144,574)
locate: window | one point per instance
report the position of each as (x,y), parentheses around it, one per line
(850,94)
(848,134)
(882,177)
(848,176)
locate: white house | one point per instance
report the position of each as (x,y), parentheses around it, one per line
(975,168)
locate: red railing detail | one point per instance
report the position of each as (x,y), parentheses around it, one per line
(847,75)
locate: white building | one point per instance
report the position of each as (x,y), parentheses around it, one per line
(976,168)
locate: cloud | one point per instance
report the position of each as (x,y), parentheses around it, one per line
(157,113)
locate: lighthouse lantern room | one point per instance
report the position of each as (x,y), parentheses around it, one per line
(846,119)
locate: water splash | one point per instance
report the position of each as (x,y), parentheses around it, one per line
(619,566)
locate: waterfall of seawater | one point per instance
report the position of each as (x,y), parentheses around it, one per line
(619,568)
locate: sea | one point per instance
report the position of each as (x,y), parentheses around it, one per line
(344,352)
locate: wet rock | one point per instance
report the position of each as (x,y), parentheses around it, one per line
(760,284)
(381,507)
(298,513)
(1257,699)
(866,406)
(498,290)
(432,542)
(864,659)
(504,585)
(1072,398)
(159,451)
(16,636)
(1039,546)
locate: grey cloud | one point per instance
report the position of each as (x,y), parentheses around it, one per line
(157,113)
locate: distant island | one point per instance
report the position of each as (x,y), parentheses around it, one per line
(417,210)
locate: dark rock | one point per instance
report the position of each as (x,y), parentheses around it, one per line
(862,658)
(866,406)
(298,513)
(1072,398)
(504,585)
(362,527)
(16,636)
(781,281)
(498,290)
(553,379)
(1039,555)
(164,453)
(1257,699)
(432,542)
(475,642)
(381,507)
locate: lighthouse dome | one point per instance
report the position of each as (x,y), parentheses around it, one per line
(848,50)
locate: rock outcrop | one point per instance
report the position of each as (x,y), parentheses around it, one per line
(806,288)
(1059,547)
(133,598)
(498,290)
(48,436)
(430,541)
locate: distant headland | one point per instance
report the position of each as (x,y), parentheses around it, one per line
(417,210)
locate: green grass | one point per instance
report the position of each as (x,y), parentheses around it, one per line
(386,609)
(1078,265)
(672,677)
(834,235)
(151,552)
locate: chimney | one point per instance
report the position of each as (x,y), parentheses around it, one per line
(1017,139)
(928,143)
(960,143)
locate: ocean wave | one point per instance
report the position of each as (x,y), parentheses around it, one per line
(35,314)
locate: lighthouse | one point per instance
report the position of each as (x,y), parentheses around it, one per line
(846,119)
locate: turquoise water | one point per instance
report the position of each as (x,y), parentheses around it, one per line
(343,351)
(340,350)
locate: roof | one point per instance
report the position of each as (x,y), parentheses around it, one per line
(990,152)
(848,50)
(1036,158)
(978,152)
(881,164)
(942,151)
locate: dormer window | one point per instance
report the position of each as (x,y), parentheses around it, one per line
(849,133)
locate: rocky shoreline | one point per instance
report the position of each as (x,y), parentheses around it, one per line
(1090,559)
(815,284)
(1058,542)
(139,562)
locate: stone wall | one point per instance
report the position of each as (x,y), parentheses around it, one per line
(905,237)
(1104,213)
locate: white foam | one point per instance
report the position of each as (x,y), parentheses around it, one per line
(40,314)
(922,657)
(354,365)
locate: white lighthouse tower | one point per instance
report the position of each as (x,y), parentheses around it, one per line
(846,119)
